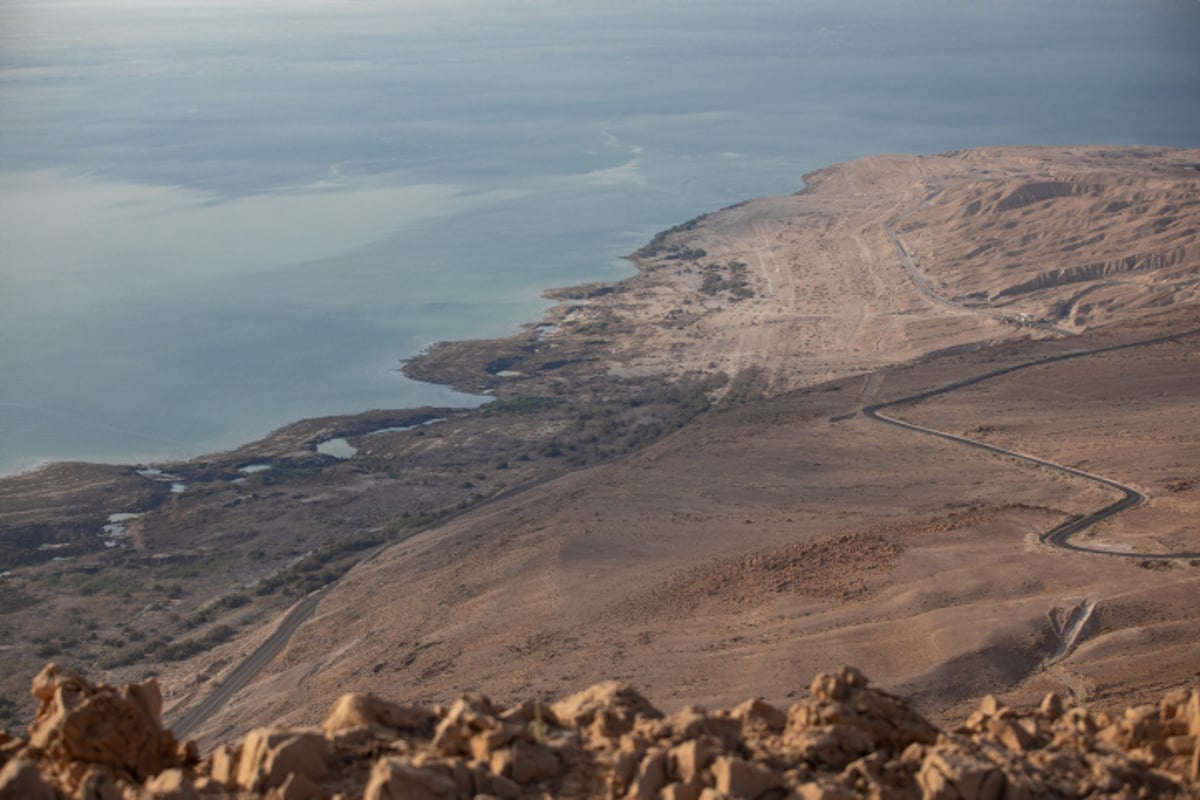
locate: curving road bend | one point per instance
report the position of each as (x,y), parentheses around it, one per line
(1060,535)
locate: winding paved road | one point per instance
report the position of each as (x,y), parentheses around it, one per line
(1058,536)
(245,672)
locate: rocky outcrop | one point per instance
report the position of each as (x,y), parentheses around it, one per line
(848,739)
(89,741)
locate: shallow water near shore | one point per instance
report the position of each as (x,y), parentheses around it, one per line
(217,218)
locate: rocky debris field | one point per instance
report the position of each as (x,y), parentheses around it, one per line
(848,739)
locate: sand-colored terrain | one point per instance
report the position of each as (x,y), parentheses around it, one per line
(759,545)
(792,534)
(677,485)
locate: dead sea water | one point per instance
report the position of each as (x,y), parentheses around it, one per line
(219,217)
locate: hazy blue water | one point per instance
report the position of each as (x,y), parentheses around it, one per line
(218,217)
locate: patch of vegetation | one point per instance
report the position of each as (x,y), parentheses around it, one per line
(604,428)
(13,599)
(659,242)
(550,366)
(330,561)
(163,649)
(10,714)
(749,385)
(732,279)
(590,328)
(216,608)
(498,365)
(681,252)
(522,405)
(91,582)
(410,521)
(280,473)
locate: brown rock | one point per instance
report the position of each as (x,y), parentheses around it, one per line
(740,778)
(464,779)
(531,712)
(534,761)
(9,747)
(682,791)
(691,722)
(1173,709)
(830,746)
(254,749)
(269,756)
(607,709)
(686,761)
(1180,745)
(481,778)
(20,779)
(304,754)
(651,776)
(299,787)
(837,687)
(624,766)
(96,782)
(170,784)
(501,762)
(1140,725)
(366,711)
(816,791)
(1011,734)
(393,779)
(949,774)
(849,739)
(1051,707)
(504,788)
(471,715)
(121,729)
(847,699)
(758,715)
(223,766)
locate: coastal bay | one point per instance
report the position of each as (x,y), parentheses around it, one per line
(217,220)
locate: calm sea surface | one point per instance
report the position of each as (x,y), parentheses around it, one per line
(219,216)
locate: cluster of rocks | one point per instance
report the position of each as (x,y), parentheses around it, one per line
(847,740)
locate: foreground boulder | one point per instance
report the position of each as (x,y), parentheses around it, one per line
(89,741)
(848,739)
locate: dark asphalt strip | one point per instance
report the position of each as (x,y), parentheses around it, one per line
(1059,535)
(248,669)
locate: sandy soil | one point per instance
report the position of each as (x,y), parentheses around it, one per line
(759,545)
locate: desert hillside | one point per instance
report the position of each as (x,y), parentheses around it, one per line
(700,480)
(783,536)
